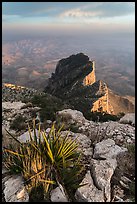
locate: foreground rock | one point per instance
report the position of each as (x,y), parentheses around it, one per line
(107,149)
(102,168)
(58,195)
(88,192)
(25,137)
(73,116)
(100,157)
(128,118)
(15,118)
(14,189)
(102,172)
(120,133)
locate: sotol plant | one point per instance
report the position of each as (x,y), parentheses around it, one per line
(46,160)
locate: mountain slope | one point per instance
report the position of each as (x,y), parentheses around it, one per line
(75,82)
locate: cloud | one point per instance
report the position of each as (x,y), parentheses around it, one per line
(101,10)
(26,9)
(68,15)
(79,13)
(67,9)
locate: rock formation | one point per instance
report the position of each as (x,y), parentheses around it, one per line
(100,159)
(91,77)
(14,93)
(75,82)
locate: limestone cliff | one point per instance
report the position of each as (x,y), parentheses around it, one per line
(91,77)
(74,81)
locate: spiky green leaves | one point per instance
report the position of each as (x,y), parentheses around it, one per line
(47,159)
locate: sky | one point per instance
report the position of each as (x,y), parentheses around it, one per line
(68,17)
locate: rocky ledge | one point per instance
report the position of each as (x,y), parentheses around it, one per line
(104,149)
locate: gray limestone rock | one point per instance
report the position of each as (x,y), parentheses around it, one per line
(128,118)
(15,191)
(26,136)
(72,116)
(58,195)
(107,149)
(102,171)
(89,192)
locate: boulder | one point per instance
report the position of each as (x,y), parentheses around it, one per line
(89,192)
(102,171)
(71,116)
(14,105)
(58,195)
(25,137)
(107,149)
(128,118)
(14,190)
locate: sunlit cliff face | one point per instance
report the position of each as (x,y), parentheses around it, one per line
(90,78)
(13,86)
(102,104)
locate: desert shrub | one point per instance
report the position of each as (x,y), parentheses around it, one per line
(49,106)
(132,191)
(131,149)
(74,128)
(12,161)
(100,116)
(27,105)
(120,115)
(18,123)
(47,160)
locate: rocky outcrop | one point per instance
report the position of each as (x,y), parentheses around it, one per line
(13,188)
(128,118)
(14,93)
(122,134)
(120,103)
(58,195)
(97,181)
(101,145)
(91,77)
(102,104)
(89,192)
(107,149)
(10,110)
(74,81)
(67,72)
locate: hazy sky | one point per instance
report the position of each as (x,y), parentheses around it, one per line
(68,17)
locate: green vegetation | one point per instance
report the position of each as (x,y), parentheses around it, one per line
(12,161)
(100,116)
(74,128)
(18,123)
(131,149)
(45,161)
(49,106)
